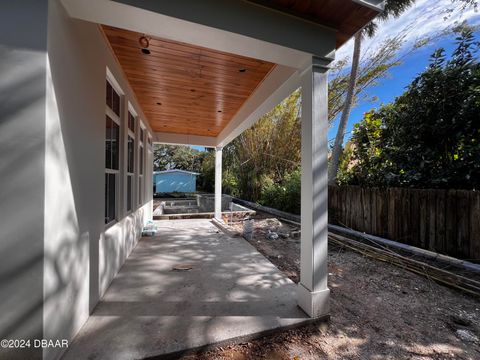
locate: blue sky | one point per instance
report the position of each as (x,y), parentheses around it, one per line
(423,19)
(199,148)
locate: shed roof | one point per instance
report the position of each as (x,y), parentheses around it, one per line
(175,170)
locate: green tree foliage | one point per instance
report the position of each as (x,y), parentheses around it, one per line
(284,195)
(268,150)
(429,136)
(263,164)
(345,164)
(392,9)
(169,157)
(206,180)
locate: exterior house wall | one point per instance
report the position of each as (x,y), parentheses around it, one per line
(23,45)
(57,257)
(175,182)
(81,255)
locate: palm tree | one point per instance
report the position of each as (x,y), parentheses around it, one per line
(393,9)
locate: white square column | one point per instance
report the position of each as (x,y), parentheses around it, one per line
(218,183)
(313,293)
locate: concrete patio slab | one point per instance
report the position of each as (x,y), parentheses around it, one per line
(230,292)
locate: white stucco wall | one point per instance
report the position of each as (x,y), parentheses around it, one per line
(23,40)
(81,255)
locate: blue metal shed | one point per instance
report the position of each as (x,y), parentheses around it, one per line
(174,181)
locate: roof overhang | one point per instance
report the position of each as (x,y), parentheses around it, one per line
(347,17)
(284,33)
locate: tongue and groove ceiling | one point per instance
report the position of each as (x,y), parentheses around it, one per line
(182,88)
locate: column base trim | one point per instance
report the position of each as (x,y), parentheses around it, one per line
(315,304)
(218,221)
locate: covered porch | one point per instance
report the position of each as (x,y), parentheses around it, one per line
(190,287)
(92,86)
(202,79)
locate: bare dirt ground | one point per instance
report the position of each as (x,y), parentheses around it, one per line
(378,311)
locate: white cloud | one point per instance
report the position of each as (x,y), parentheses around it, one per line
(424,18)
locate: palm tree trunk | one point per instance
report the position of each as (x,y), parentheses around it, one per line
(352,84)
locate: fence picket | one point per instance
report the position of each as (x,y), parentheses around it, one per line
(445,221)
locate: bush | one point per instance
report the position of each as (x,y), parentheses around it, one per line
(229,184)
(429,136)
(283,196)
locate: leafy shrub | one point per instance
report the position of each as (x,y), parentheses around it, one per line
(283,196)
(430,135)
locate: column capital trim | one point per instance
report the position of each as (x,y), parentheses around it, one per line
(321,64)
(318,65)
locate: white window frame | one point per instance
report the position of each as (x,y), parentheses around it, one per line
(118,120)
(141,163)
(149,161)
(131,134)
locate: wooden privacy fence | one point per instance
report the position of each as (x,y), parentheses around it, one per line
(444,221)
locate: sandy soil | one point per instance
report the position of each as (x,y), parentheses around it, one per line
(378,311)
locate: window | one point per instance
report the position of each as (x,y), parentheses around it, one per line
(129,192)
(112,152)
(130,160)
(131,122)
(141,164)
(113,99)
(112,139)
(149,157)
(110,194)
(130,155)
(141,159)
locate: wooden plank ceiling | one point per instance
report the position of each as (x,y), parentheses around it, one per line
(346,16)
(182,88)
